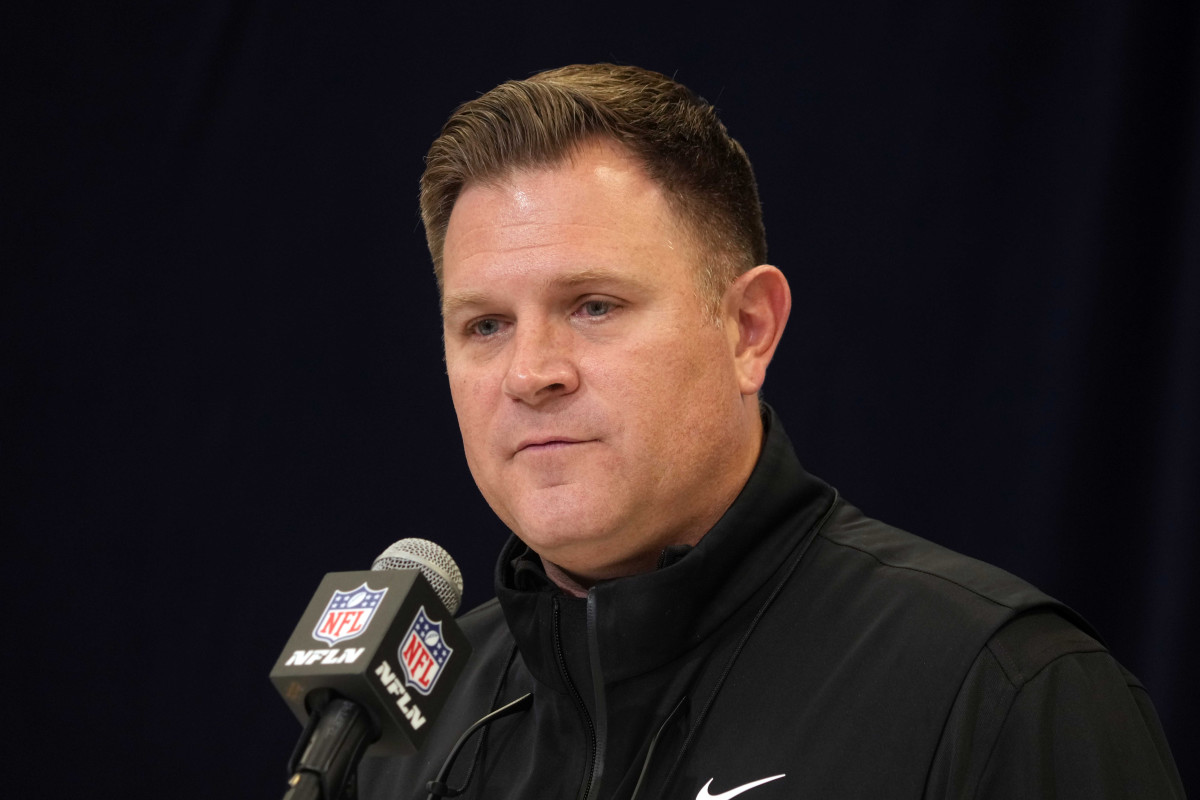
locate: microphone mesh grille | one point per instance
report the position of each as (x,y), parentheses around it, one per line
(434,563)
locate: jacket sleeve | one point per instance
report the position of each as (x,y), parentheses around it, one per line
(1046,711)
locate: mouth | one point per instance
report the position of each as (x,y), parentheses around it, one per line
(548,443)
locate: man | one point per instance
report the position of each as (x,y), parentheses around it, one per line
(691,614)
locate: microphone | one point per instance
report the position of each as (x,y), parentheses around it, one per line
(370,664)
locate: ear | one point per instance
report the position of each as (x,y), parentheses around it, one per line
(756,308)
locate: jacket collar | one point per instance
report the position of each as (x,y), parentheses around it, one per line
(644,621)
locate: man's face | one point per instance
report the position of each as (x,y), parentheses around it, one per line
(599,406)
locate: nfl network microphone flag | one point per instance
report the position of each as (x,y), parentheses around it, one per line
(382,639)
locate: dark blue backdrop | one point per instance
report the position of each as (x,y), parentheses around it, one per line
(222,371)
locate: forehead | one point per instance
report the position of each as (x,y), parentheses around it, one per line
(595,208)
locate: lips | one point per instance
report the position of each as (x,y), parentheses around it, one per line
(547,443)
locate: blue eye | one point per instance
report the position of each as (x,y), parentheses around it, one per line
(486,327)
(596,308)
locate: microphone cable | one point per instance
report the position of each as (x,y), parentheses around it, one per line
(438,787)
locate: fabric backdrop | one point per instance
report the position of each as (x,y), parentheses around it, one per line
(222,362)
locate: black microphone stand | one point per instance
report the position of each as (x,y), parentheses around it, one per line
(325,758)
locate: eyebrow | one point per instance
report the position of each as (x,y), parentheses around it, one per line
(470,297)
(460,300)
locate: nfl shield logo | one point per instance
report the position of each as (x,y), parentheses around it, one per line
(348,614)
(423,653)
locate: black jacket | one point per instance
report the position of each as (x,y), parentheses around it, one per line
(798,639)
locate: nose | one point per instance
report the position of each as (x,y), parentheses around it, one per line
(542,366)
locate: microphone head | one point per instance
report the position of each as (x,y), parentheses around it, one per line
(434,563)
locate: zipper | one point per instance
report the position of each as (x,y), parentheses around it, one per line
(586,788)
(599,700)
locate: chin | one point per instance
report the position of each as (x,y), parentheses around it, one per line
(560,542)
(592,557)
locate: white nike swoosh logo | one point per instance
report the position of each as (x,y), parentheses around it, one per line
(745,787)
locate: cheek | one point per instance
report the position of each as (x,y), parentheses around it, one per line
(472,407)
(689,365)
(469,387)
